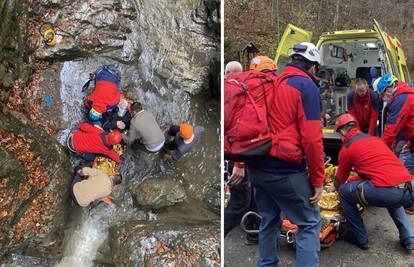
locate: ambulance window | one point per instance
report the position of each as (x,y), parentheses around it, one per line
(394,67)
(406,73)
(281,64)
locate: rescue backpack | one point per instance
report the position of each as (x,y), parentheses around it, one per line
(105,72)
(247,97)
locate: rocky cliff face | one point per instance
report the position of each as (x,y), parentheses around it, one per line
(34,178)
(14,52)
(177,41)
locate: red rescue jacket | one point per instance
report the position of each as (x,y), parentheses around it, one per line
(90,139)
(371,159)
(104,96)
(294,117)
(365,110)
(400,115)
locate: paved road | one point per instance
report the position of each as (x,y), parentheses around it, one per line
(384,251)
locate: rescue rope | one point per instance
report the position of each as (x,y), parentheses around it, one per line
(48,33)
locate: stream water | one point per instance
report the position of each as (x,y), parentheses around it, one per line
(86,235)
(84,242)
(198,172)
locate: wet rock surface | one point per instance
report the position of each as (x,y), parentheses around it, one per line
(155,244)
(212,198)
(177,44)
(198,172)
(158,193)
(34,180)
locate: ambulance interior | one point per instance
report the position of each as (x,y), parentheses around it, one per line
(342,64)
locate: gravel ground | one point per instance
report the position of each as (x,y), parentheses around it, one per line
(384,250)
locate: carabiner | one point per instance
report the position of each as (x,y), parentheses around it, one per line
(290,237)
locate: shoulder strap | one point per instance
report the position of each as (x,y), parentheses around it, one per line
(276,85)
(86,85)
(285,77)
(268,79)
(102,135)
(356,137)
(371,96)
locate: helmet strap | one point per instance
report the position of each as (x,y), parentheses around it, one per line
(341,132)
(394,87)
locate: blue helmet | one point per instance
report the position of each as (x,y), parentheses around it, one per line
(94,115)
(387,80)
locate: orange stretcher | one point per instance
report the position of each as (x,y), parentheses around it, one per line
(331,216)
(327,236)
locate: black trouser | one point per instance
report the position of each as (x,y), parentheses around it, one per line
(241,201)
(76,179)
(172,145)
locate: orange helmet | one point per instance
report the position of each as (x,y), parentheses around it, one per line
(261,63)
(114,137)
(343,120)
(186,131)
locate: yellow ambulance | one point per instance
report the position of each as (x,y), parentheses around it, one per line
(350,50)
(347,55)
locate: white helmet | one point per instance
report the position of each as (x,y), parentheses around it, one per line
(307,50)
(375,84)
(233,67)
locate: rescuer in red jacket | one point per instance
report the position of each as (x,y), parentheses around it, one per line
(106,94)
(382,181)
(242,197)
(90,140)
(284,180)
(363,104)
(399,111)
(399,114)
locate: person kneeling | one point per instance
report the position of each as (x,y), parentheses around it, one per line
(382,181)
(90,184)
(145,129)
(185,140)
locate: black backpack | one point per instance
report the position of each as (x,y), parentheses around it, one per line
(104,70)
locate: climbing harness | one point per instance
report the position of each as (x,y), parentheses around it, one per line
(360,194)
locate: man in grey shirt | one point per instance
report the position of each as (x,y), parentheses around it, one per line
(186,139)
(144,129)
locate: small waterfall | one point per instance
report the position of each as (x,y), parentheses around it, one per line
(85,241)
(83,244)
